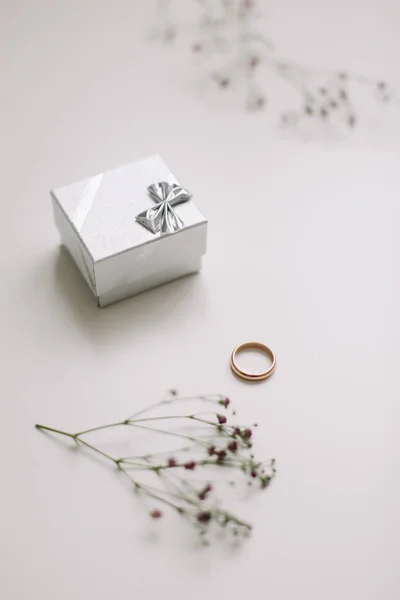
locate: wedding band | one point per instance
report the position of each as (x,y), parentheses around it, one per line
(253,376)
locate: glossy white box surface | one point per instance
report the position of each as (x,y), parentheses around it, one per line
(118,256)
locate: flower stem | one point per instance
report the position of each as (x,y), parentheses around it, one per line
(188,496)
(45,428)
(75,436)
(148,492)
(174,433)
(153,454)
(163,418)
(190,416)
(203,398)
(102,427)
(81,441)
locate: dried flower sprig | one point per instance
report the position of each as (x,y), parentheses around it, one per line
(211,441)
(227,33)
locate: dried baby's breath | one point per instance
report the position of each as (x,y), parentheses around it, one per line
(181,478)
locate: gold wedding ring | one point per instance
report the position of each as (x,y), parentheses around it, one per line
(253,376)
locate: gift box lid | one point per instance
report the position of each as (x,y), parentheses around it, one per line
(103,209)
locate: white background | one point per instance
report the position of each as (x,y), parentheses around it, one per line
(303,254)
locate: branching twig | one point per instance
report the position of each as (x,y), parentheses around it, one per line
(229,29)
(225,445)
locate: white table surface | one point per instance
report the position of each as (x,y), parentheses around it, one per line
(303,254)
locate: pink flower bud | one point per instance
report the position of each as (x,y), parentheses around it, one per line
(190,465)
(224,402)
(204,517)
(233,446)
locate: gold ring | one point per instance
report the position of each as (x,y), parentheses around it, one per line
(253,376)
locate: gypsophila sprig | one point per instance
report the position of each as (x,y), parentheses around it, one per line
(228,40)
(184,478)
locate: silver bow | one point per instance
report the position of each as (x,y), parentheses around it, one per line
(162,218)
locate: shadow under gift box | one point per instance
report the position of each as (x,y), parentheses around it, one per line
(117,255)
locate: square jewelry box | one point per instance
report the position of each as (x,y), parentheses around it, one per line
(130,229)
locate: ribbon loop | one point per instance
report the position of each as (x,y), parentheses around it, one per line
(162,218)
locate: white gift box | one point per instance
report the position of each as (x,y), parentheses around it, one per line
(118,255)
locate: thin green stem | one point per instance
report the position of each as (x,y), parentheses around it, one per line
(163,418)
(163,452)
(77,439)
(101,427)
(158,493)
(223,425)
(45,428)
(174,399)
(143,467)
(164,500)
(200,463)
(171,482)
(143,410)
(114,460)
(184,482)
(173,433)
(149,493)
(190,416)
(234,519)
